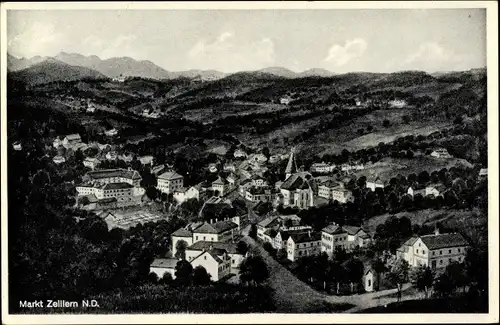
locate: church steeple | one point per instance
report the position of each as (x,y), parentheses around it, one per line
(291,167)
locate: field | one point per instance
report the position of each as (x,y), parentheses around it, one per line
(132,217)
(389,167)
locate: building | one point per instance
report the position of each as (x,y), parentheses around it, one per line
(483,174)
(146,160)
(111,155)
(238,153)
(397,103)
(91,108)
(260,194)
(435,190)
(285,100)
(17,146)
(374,183)
(225,230)
(303,244)
(160,266)
(221,185)
(216,262)
(157,169)
(111,133)
(169,182)
(291,166)
(257,158)
(258,181)
(231,249)
(274,159)
(440,153)
(296,191)
(232,179)
(322,168)
(279,240)
(122,192)
(114,176)
(72,141)
(58,159)
(91,163)
(184,234)
(345,237)
(184,194)
(414,190)
(369,279)
(119,78)
(335,191)
(436,250)
(229,167)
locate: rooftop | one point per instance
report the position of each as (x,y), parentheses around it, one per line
(295,182)
(444,240)
(166,263)
(305,237)
(115,186)
(73,137)
(169,176)
(216,228)
(182,232)
(230,248)
(107,173)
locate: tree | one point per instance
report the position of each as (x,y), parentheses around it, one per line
(166,278)
(422,278)
(253,231)
(399,275)
(380,268)
(200,276)
(242,247)
(354,271)
(282,254)
(386,123)
(336,273)
(406,119)
(253,270)
(183,272)
(180,249)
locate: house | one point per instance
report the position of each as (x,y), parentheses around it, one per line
(483,174)
(111,133)
(346,237)
(183,234)
(274,159)
(72,141)
(436,190)
(258,181)
(369,279)
(322,168)
(441,153)
(58,159)
(238,153)
(296,191)
(435,250)
(303,244)
(334,191)
(212,168)
(231,249)
(397,103)
(146,160)
(160,266)
(169,182)
(119,79)
(57,142)
(281,237)
(232,179)
(122,192)
(414,190)
(157,169)
(91,108)
(225,230)
(111,155)
(257,158)
(221,185)
(91,163)
(229,167)
(267,224)
(285,100)
(260,194)
(183,194)
(216,262)
(114,176)
(17,146)
(374,182)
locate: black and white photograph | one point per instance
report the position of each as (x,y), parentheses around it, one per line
(249,160)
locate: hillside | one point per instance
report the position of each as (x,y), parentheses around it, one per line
(54,70)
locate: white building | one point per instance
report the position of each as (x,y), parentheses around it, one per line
(221,185)
(436,250)
(146,160)
(345,237)
(111,155)
(181,234)
(441,153)
(197,248)
(111,133)
(72,141)
(322,168)
(303,244)
(160,266)
(375,183)
(184,194)
(436,190)
(216,262)
(91,163)
(397,103)
(335,191)
(17,146)
(122,192)
(58,159)
(296,191)
(238,153)
(169,182)
(114,176)
(225,230)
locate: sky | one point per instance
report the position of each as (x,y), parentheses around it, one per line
(376,40)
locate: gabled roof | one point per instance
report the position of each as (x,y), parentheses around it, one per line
(439,187)
(165,263)
(351,230)
(211,253)
(229,247)
(332,229)
(73,137)
(107,173)
(220,181)
(169,176)
(305,237)
(216,228)
(291,166)
(266,222)
(182,232)
(295,182)
(444,240)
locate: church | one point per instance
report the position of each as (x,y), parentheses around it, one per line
(297,189)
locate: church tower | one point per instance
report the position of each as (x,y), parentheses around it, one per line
(291,167)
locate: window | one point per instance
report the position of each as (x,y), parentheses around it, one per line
(423,252)
(459,250)
(449,251)
(205,257)
(417,250)
(440,261)
(369,282)
(440,252)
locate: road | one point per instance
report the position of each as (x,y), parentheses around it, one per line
(294,296)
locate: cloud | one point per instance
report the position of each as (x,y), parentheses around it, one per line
(431,56)
(228,53)
(38,39)
(340,55)
(122,45)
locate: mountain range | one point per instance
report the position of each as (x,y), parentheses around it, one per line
(126,66)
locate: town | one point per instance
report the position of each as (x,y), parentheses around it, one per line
(258,174)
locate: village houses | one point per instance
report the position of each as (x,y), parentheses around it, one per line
(91,163)
(335,191)
(303,244)
(221,185)
(346,237)
(374,182)
(440,153)
(435,190)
